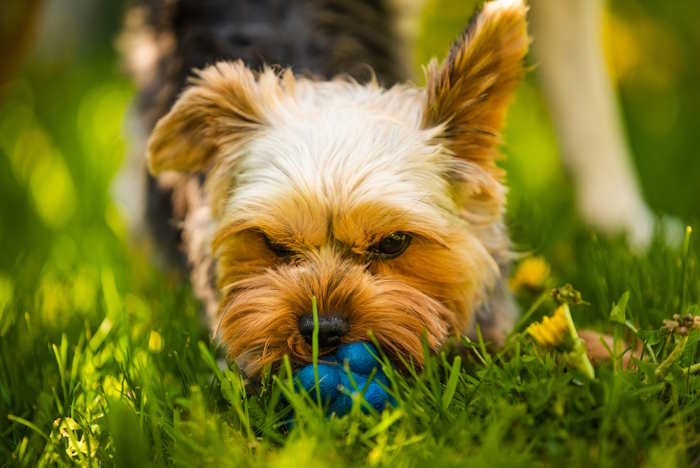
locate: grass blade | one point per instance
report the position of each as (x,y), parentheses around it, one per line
(28,424)
(451,386)
(684,272)
(314,349)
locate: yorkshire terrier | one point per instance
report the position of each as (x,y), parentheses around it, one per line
(290,177)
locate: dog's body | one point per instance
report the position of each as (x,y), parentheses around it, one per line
(382,201)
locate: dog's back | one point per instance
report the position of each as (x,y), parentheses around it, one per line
(165,40)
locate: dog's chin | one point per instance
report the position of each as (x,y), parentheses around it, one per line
(259,317)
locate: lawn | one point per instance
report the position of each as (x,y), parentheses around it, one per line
(104,359)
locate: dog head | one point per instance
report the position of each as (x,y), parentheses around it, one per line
(384,205)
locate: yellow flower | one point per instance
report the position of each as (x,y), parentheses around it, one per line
(155,342)
(559,331)
(552,331)
(532,273)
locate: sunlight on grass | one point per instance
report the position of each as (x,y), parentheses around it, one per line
(101,135)
(53,191)
(6,292)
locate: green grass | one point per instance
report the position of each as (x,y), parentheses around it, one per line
(104,359)
(101,384)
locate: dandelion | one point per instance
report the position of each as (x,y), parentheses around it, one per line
(155,342)
(532,274)
(559,332)
(568,295)
(682,325)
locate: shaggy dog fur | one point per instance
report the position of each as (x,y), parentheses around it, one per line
(289,186)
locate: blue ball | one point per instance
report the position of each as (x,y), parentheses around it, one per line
(376,396)
(359,380)
(358,356)
(328,380)
(334,383)
(341,405)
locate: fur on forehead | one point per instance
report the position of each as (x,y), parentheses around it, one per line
(250,129)
(338,145)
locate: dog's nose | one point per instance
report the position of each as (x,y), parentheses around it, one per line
(331,329)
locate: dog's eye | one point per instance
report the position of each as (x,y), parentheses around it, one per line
(277,249)
(392,245)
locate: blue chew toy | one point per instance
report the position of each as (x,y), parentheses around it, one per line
(335,386)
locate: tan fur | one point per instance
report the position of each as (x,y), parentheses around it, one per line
(469,92)
(220,111)
(327,169)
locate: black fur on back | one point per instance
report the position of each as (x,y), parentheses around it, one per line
(323,38)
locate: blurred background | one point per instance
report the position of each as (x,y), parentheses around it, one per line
(62,139)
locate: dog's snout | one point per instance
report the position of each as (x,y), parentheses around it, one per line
(331,328)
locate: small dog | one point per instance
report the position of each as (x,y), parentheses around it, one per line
(384,203)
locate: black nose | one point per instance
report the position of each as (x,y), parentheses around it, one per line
(331,329)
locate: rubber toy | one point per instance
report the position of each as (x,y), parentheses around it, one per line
(334,384)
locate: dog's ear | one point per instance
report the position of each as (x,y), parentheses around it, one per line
(468,93)
(222,109)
